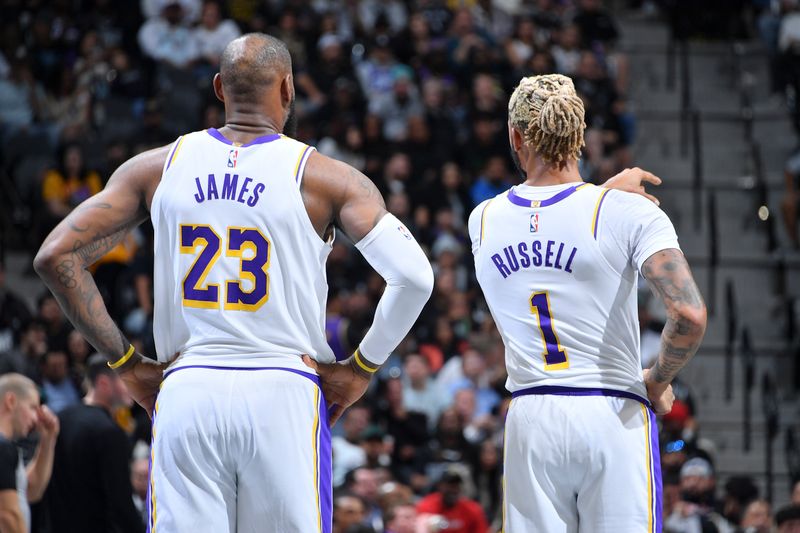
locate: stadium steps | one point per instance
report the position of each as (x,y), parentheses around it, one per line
(729,174)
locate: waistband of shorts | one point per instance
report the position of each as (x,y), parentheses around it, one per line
(557,390)
(313,377)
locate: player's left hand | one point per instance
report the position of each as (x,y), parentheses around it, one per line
(633,180)
(660,394)
(343,383)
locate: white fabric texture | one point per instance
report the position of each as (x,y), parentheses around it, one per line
(394,254)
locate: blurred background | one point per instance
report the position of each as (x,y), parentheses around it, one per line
(414,94)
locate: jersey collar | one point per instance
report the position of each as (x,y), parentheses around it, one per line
(214,132)
(515,199)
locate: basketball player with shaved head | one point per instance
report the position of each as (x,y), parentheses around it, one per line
(244,219)
(558,262)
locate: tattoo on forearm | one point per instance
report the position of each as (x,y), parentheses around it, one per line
(99,246)
(66,273)
(76,291)
(669,275)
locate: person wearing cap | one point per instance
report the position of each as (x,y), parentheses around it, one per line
(695,512)
(461,514)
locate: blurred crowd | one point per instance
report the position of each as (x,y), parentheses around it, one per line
(414,94)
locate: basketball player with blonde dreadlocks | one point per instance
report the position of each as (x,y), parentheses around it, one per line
(558,261)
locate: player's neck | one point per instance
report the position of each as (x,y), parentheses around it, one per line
(243,127)
(540,174)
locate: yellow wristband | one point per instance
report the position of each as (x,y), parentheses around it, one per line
(122,360)
(357,356)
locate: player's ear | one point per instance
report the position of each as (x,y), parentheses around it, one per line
(514,138)
(287,90)
(218,87)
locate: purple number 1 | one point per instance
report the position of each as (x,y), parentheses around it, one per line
(555,357)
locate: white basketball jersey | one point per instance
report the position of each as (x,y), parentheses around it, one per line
(239,273)
(558,266)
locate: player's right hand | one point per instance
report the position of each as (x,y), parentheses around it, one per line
(143,381)
(660,394)
(342,384)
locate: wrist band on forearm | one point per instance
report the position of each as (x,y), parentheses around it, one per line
(122,360)
(360,361)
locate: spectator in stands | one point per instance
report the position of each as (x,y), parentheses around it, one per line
(395,108)
(167,40)
(20,414)
(24,357)
(363,482)
(493,180)
(58,388)
(67,185)
(91,490)
(566,51)
(347,451)
(487,475)
(595,23)
(348,512)
(420,392)
(213,33)
(22,102)
(757,517)
(56,327)
(140,482)
(695,511)
(78,351)
(401,518)
(460,513)
(474,367)
(796,493)
(739,492)
(377,74)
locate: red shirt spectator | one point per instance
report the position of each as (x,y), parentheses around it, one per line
(461,514)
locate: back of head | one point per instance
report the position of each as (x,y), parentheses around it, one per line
(251,63)
(16,384)
(550,116)
(97,366)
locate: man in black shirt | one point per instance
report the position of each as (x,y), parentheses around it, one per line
(20,413)
(91,489)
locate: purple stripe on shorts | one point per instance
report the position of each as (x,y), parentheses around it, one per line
(576,391)
(658,485)
(325,468)
(258,140)
(312,377)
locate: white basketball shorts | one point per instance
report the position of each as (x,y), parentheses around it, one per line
(240,450)
(581,461)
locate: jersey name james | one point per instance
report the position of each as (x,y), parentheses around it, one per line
(228,189)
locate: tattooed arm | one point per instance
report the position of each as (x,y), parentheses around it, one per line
(670,277)
(83,237)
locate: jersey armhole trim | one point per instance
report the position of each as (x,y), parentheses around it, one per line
(301,165)
(174,152)
(596,216)
(483,220)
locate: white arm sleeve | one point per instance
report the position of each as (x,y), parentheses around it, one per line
(394,254)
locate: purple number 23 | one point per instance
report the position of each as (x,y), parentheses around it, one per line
(199,294)
(555,357)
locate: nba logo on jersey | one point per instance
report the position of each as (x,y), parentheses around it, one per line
(232,155)
(534,222)
(404,231)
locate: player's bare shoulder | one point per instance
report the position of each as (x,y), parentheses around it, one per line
(336,193)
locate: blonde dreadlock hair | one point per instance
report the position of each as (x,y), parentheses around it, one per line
(550,116)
